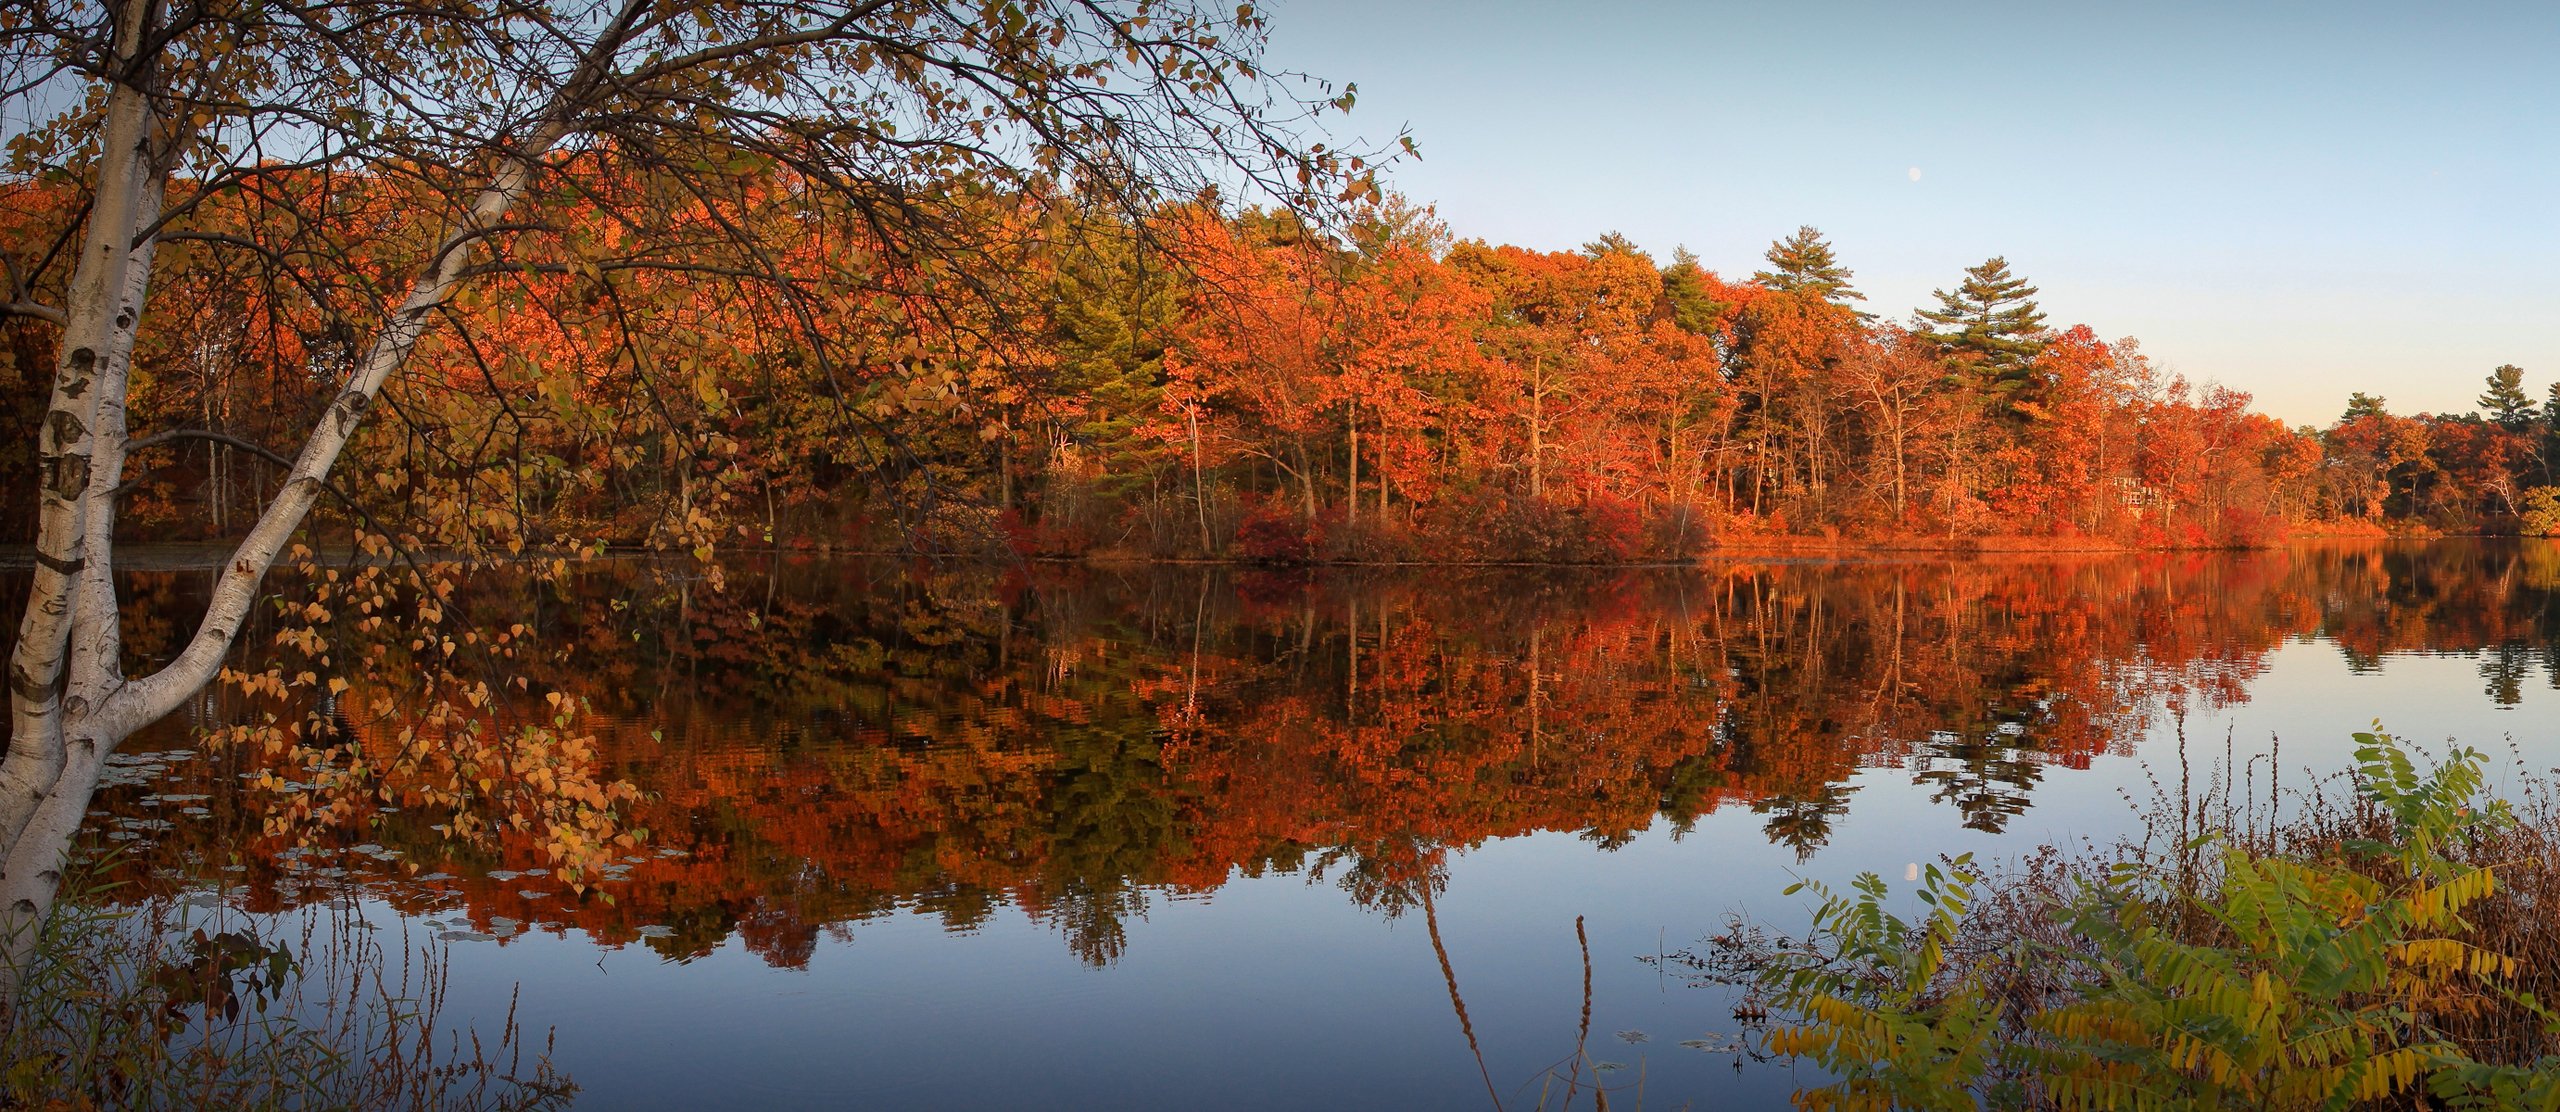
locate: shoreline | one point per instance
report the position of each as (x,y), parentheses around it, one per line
(205,556)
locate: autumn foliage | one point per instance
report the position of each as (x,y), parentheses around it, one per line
(1221,383)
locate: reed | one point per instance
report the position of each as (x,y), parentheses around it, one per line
(181,1003)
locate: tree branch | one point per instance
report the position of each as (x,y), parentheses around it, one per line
(45,313)
(227,440)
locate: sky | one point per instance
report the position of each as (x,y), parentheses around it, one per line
(2296,201)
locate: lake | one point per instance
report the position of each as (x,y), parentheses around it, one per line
(971,836)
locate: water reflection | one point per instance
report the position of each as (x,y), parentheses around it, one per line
(823,743)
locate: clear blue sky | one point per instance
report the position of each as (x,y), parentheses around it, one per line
(2292,200)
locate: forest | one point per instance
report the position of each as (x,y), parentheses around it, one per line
(1203,380)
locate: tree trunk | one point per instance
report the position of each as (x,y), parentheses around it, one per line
(1199,489)
(1537,422)
(54,757)
(1004,460)
(70,706)
(1351,488)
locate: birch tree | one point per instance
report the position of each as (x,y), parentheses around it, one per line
(868,112)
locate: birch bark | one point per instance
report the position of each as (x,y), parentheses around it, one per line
(100,322)
(70,704)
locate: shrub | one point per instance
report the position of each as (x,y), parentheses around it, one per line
(1369,539)
(1024,536)
(1499,527)
(1271,534)
(2356,955)
(2540,512)
(1681,531)
(2247,528)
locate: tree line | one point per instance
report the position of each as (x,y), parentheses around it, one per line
(1207,380)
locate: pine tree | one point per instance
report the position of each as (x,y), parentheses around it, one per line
(1684,290)
(2506,402)
(1803,263)
(1109,306)
(2551,434)
(2361,404)
(1611,243)
(1989,327)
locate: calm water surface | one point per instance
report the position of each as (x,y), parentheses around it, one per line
(979,837)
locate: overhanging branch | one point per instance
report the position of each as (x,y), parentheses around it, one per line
(40,312)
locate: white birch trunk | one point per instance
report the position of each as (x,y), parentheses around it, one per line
(60,664)
(70,705)
(100,322)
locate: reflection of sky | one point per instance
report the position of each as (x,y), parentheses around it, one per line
(1269,994)
(2295,200)
(1273,993)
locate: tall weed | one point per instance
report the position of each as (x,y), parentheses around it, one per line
(2388,946)
(183,1004)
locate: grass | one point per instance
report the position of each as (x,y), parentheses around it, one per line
(168,1005)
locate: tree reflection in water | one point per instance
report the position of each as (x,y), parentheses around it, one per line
(822,743)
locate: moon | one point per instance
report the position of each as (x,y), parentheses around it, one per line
(1915,173)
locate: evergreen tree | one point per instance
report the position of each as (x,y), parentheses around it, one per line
(1110,304)
(1684,291)
(1803,263)
(1611,243)
(2361,404)
(1989,327)
(2551,435)
(2506,401)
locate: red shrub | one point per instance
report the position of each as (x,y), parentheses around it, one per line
(1271,534)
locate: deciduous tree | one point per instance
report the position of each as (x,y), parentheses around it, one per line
(489,124)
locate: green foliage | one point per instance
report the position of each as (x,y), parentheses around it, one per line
(1803,262)
(1112,304)
(2506,402)
(1613,243)
(1876,1013)
(1684,290)
(1988,325)
(2426,810)
(2236,977)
